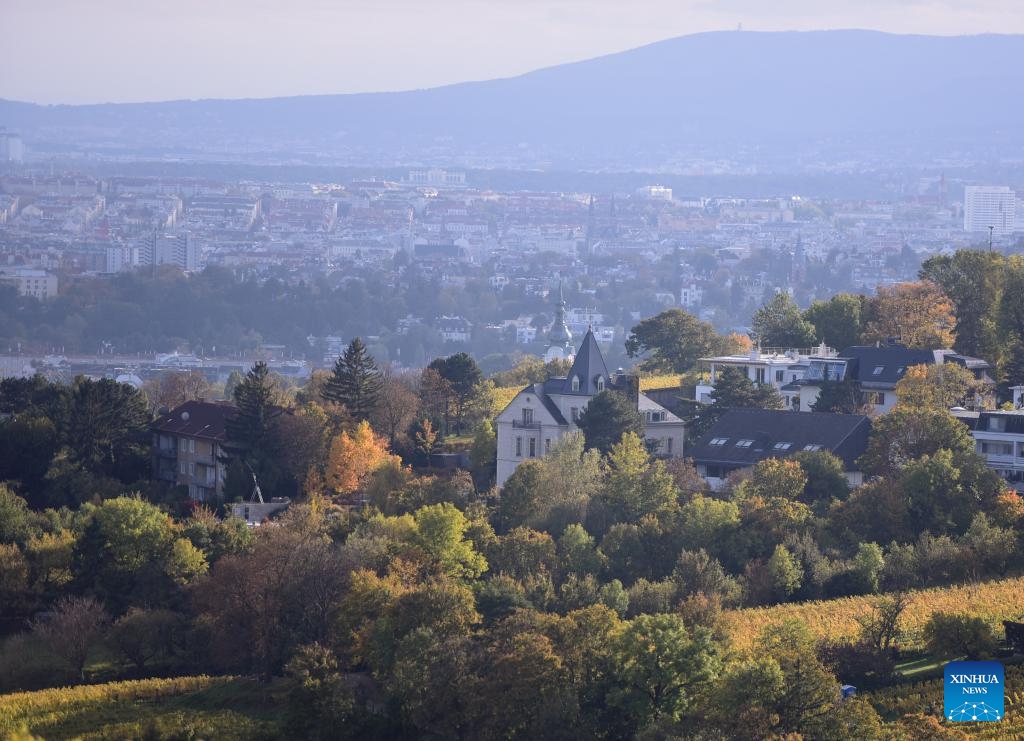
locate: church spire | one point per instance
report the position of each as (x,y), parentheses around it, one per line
(559,338)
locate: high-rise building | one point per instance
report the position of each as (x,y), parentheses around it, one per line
(12,149)
(992,206)
(170,249)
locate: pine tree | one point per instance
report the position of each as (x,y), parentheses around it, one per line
(252,431)
(356,381)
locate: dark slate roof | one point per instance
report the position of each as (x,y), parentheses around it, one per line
(845,435)
(588,365)
(893,360)
(203,419)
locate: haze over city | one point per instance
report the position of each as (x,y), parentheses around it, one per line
(127,51)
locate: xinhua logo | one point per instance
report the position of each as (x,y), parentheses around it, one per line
(974,691)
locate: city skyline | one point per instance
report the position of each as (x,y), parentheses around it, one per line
(116,51)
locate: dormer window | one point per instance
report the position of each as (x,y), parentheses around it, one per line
(575,383)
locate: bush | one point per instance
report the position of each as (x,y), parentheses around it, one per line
(949,635)
(27,663)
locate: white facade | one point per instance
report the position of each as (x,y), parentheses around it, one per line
(543,413)
(30,282)
(990,206)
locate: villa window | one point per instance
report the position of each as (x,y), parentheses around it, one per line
(575,383)
(519,447)
(600,383)
(533,447)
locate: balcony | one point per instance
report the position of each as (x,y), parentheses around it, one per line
(521,425)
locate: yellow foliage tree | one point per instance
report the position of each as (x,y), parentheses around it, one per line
(354,457)
(918,313)
(942,387)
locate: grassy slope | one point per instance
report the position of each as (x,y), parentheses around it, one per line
(837,619)
(204,707)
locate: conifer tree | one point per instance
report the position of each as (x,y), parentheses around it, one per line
(356,381)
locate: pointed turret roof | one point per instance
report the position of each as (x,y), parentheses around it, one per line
(588,366)
(560,336)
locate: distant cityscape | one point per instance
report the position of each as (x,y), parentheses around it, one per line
(620,256)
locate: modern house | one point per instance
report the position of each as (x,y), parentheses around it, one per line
(781,369)
(742,438)
(876,370)
(543,413)
(187,448)
(999,438)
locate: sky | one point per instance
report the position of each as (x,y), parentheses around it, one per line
(90,51)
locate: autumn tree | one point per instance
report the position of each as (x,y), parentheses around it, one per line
(919,314)
(174,389)
(75,628)
(396,407)
(942,387)
(353,458)
(356,381)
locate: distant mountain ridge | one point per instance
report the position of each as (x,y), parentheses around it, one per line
(704,91)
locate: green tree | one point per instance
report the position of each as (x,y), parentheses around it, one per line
(839,397)
(734,390)
(658,666)
(905,435)
(321,702)
(107,428)
(466,383)
(124,552)
(826,479)
(974,281)
(950,636)
(440,532)
(780,323)
(609,416)
(253,435)
(675,340)
(17,523)
(785,572)
(27,447)
(142,636)
(990,546)
(483,455)
(355,382)
(635,485)
(838,321)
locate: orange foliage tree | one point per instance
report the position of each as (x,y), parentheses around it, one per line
(354,457)
(918,313)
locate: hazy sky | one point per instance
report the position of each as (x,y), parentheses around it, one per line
(76,51)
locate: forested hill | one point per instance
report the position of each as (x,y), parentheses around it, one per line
(693,91)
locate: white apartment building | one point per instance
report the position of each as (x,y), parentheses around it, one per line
(990,206)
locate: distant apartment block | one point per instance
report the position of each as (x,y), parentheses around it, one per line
(990,206)
(437,176)
(187,448)
(29,282)
(12,149)
(170,249)
(654,193)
